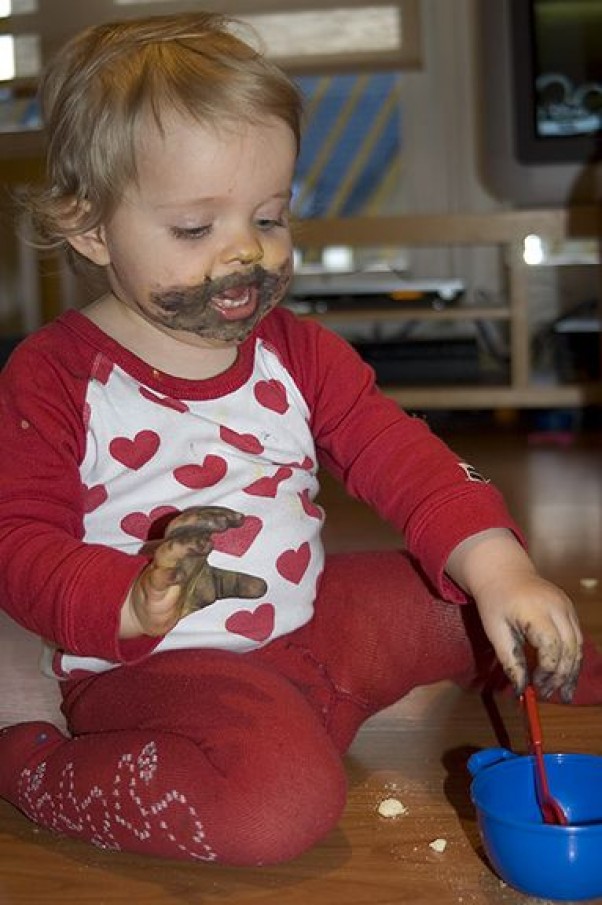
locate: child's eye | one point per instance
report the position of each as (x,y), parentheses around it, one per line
(189,232)
(267,223)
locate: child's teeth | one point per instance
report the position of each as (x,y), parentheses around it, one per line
(233,303)
(228,303)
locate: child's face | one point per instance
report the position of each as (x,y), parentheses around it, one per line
(200,245)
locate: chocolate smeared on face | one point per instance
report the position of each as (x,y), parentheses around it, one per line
(225,309)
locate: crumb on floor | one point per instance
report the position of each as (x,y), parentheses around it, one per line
(391,807)
(438,845)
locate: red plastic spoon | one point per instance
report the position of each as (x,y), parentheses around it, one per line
(551,809)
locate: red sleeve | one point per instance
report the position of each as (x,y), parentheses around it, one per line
(385,457)
(51,582)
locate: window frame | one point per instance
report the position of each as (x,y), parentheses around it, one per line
(49,21)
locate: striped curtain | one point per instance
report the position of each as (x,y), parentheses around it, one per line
(350,159)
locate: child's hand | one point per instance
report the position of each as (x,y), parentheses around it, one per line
(517,608)
(527,609)
(179,578)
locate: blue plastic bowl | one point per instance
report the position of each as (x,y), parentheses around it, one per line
(552,862)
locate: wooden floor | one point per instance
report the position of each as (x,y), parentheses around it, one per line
(415,752)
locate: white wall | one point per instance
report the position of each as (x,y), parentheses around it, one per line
(441,137)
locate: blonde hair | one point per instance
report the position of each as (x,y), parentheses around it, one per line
(100,89)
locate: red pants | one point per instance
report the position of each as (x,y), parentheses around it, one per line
(210,755)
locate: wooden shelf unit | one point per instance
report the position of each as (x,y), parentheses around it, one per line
(505,229)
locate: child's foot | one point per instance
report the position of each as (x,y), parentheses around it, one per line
(21,746)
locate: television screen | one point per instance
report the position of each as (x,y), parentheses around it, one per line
(557,50)
(540,93)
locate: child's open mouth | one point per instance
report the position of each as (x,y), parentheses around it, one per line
(236,303)
(226,308)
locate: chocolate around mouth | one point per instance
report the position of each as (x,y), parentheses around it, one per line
(190,308)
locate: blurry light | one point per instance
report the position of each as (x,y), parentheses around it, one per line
(533,250)
(337,257)
(7,58)
(17,7)
(306,33)
(27,54)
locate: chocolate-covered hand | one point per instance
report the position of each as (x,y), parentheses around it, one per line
(179,579)
(520,611)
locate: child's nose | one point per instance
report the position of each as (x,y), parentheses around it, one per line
(245,249)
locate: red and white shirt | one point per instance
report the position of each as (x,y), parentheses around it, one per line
(97,448)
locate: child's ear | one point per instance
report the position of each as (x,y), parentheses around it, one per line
(87,242)
(92,245)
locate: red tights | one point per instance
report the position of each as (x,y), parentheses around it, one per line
(215,756)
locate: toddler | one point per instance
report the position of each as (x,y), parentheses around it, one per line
(159,461)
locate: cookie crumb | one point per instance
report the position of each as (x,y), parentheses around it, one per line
(438,845)
(391,807)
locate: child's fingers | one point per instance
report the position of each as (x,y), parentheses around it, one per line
(237,584)
(209,584)
(180,548)
(559,655)
(508,644)
(204,519)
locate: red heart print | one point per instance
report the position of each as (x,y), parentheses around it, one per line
(196,477)
(236,541)
(244,442)
(309,507)
(268,487)
(137,452)
(257,624)
(271,394)
(94,497)
(176,404)
(292,564)
(307,464)
(140,525)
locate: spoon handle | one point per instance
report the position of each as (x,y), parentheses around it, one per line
(551,809)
